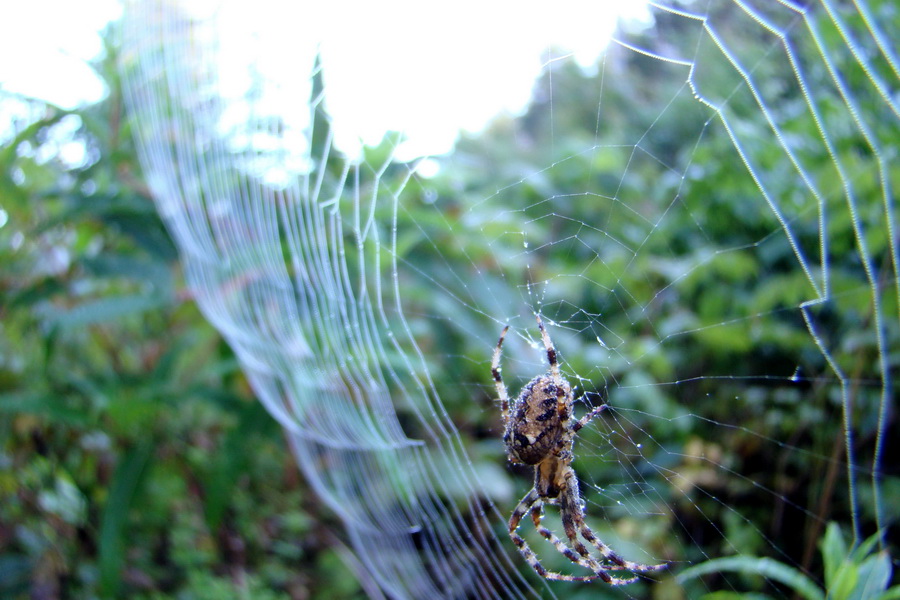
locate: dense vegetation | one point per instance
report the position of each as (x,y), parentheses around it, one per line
(134,459)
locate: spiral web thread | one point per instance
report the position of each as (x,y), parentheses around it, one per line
(293,276)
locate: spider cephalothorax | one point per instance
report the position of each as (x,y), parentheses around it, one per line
(539,430)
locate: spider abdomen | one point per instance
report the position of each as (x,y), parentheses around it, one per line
(534,429)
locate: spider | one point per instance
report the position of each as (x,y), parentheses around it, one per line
(540,431)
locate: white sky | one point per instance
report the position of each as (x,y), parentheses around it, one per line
(427,69)
(44,45)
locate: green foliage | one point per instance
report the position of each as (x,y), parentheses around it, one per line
(134,460)
(205,586)
(857,574)
(687,279)
(113,523)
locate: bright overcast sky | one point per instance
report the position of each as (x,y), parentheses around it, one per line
(44,45)
(427,69)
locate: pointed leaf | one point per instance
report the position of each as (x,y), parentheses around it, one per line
(891,594)
(51,406)
(107,309)
(874,576)
(125,483)
(834,551)
(843,582)
(752,565)
(863,550)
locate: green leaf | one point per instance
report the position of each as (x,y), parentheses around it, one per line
(843,582)
(125,483)
(735,596)
(751,565)
(231,462)
(35,292)
(107,309)
(130,267)
(891,594)
(874,576)
(863,550)
(53,407)
(834,552)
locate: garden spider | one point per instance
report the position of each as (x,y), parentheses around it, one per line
(540,431)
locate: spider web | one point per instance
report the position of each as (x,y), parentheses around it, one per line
(364,295)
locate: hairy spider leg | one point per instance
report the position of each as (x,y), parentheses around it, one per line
(564,402)
(551,350)
(588,562)
(522,508)
(573,506)
(569,522)
(577,425)
(498,379)
(571,511)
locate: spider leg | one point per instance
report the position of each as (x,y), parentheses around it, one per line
(530,500)
(577,425)
(502,394)
(586,561)
(568,512)
(572,506)
(551,351)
